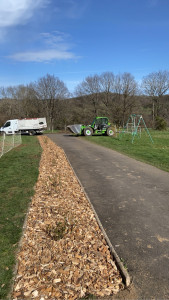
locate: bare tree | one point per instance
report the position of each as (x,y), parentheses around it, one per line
(23,98)
(126,89)
(7,92)
(9,103)
(107,84)
(156,85)
(90,86)
(31,106)
(50,89)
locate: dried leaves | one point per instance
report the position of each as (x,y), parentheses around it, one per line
(63,254)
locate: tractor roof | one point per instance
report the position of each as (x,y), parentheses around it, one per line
(101,118)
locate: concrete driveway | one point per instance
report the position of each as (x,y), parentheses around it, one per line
(132,201)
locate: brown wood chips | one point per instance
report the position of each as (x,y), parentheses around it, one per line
(63,253)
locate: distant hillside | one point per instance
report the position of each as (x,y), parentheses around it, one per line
(83,109)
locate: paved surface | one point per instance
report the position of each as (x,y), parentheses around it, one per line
(132,201)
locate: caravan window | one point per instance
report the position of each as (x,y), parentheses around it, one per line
(7,124)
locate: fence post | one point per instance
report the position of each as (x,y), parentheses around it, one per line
(3,141)
(13,140)
(1,137)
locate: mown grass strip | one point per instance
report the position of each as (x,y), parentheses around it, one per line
(156,154)
(51,131)
(18,175)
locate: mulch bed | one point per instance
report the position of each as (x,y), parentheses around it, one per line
(63,253)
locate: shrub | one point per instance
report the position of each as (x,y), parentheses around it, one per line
(160,124)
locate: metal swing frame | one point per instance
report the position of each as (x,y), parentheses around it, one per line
(134,122)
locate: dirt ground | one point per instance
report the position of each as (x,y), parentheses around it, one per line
(63,253)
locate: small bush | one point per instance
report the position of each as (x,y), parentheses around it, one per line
(56,232)
(160,124)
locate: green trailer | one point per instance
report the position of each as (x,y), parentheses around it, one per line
(99,126)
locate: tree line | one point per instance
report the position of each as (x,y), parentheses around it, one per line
(107,94)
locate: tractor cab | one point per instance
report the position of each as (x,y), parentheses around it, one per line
(100,123)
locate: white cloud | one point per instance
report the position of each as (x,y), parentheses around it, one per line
(42,56)
(53,39)
(51,46)
(14,12)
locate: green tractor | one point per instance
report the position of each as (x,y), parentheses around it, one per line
(100,125)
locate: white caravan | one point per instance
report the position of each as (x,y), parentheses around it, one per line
(31,126)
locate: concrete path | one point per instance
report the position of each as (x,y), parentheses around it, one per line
(132,201)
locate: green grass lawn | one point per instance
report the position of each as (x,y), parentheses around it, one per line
(156,154)
(51,131)
(18,175)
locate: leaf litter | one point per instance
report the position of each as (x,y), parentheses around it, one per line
(63,253)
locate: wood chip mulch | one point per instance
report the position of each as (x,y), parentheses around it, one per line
(63,253)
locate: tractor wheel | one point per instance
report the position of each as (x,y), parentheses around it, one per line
(88,131)
(110,131)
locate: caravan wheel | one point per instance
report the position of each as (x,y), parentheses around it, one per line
(32,132)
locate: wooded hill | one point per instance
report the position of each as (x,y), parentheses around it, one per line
(114,96)
(83,109)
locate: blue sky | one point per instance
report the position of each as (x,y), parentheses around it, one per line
(73,39)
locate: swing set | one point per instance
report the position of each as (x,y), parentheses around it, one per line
(133,126)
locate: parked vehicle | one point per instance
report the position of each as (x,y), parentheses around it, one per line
(100,125)
(30,126)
